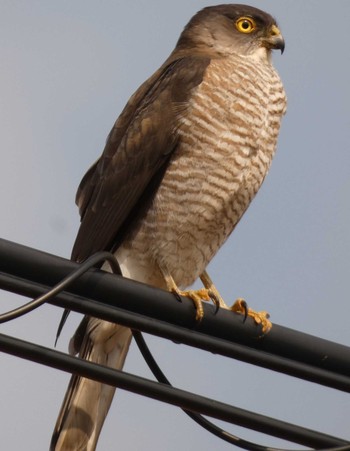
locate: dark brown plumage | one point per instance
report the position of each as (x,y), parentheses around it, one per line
(136,155)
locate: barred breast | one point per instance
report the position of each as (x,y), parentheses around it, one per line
(228,138)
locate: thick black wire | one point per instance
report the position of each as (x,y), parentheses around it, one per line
(91,262)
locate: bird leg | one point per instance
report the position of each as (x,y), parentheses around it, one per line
(197,296)
(212,290)
(240,306)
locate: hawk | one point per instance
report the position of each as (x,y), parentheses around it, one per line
(180,167)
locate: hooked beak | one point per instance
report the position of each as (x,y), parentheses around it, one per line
(274,39)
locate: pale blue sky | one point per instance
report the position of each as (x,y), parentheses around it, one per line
(67,69)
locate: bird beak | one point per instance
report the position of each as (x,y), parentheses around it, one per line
(274,39)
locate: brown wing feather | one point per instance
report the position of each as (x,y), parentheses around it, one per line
(137,151)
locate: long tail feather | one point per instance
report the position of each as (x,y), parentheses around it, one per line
(87,402)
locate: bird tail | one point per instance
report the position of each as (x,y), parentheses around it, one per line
(86,403)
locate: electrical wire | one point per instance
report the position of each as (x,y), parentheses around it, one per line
(198,418)
(92,262)
(88,264)
(39,301)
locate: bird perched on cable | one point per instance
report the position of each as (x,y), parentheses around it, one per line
(180,167)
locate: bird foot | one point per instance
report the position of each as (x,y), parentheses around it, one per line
(209,293)
(197,296)
(241,307)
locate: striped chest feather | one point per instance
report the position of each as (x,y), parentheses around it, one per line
(227,140)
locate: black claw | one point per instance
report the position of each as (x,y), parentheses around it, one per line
(245,306)
(215,301)
(177,295)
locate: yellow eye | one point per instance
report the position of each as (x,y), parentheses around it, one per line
(245,25)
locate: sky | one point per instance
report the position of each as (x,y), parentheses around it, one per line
(67,70)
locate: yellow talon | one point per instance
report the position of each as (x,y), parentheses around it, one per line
(197,296)
(210,293)
(262,317)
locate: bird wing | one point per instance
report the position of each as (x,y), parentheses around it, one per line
(120,185)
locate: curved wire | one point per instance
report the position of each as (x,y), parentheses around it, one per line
(88,264)
(200,419)
(146,353)
(83,268)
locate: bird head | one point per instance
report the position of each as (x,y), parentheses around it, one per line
(231,29)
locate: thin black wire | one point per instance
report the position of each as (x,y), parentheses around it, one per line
(160,376)
(30,272)
(198,418)
(211,427)
(88,264)
(68,280)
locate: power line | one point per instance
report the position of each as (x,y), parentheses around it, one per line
(31,273)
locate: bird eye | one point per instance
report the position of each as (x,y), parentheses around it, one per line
(245,25)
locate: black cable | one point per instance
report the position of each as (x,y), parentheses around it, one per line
(89,263)
(24,270)
(68,280)
(209,426)
(198,418)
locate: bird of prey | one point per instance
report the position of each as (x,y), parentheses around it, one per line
(180,167)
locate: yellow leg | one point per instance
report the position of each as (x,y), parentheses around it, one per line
(213,292)
(240,306)
(197,296)
(210,292)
